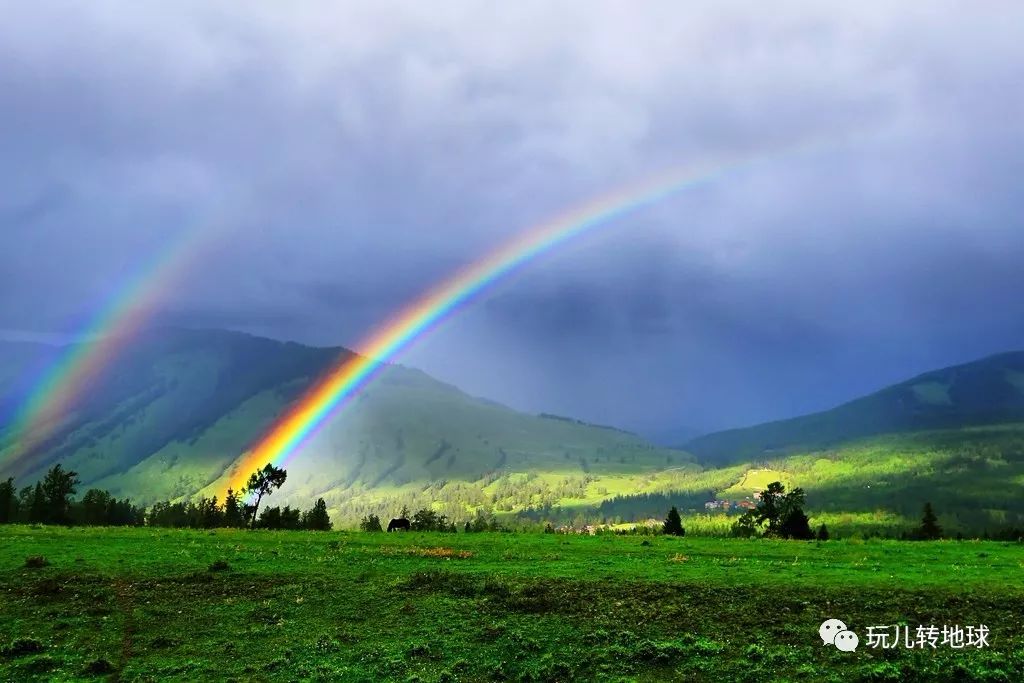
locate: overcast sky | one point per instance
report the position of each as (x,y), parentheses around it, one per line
(325,163)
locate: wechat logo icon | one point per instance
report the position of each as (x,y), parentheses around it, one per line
(834,632)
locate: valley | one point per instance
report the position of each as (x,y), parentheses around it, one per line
(182,406)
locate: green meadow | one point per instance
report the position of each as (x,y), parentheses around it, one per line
(155,604)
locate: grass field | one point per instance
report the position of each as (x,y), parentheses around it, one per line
(145,604)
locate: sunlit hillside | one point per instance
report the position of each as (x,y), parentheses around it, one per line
(174,415)
(172,419)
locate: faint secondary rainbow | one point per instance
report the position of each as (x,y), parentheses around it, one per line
(344,380)
(99,342)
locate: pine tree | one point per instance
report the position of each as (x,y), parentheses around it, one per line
(930,529)
(796,525)
(317,518)
(95,508)
(674,524)
(371,523)
(37,505)
(233,516)
(822,533)
(209,513)
(270,518)
(291,519)
(58,487)
(8,501)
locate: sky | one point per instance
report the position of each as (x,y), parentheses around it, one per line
(331,161)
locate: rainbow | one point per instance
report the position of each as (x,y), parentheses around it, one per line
(343,381)
(55,395)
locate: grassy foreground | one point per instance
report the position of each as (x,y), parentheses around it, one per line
(151,604)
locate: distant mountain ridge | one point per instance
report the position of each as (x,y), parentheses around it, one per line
(552,416)
(982,392)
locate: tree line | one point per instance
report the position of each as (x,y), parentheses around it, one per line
(427,519)
(50,501)
(778,514)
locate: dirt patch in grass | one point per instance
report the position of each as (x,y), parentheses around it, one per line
(36,562)
(21,647)
(438,552)
(444,553)
(99,667)
(219,566)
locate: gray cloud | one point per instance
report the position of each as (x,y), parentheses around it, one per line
(346,156)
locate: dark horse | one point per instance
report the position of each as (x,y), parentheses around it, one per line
(400,524)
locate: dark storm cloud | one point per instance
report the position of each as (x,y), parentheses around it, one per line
(347,156)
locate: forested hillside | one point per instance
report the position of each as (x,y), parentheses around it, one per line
(172,414)
(986,391)
(175,412)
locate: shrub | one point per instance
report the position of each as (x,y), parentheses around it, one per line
(36,562)
(454,584)
(418,650)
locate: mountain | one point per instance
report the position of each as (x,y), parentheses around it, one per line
(171,416)
(177,408)
(984,392)
(169,386)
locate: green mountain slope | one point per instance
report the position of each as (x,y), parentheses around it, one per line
(168,387)
(974,476)
(987,391)
(172,416)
